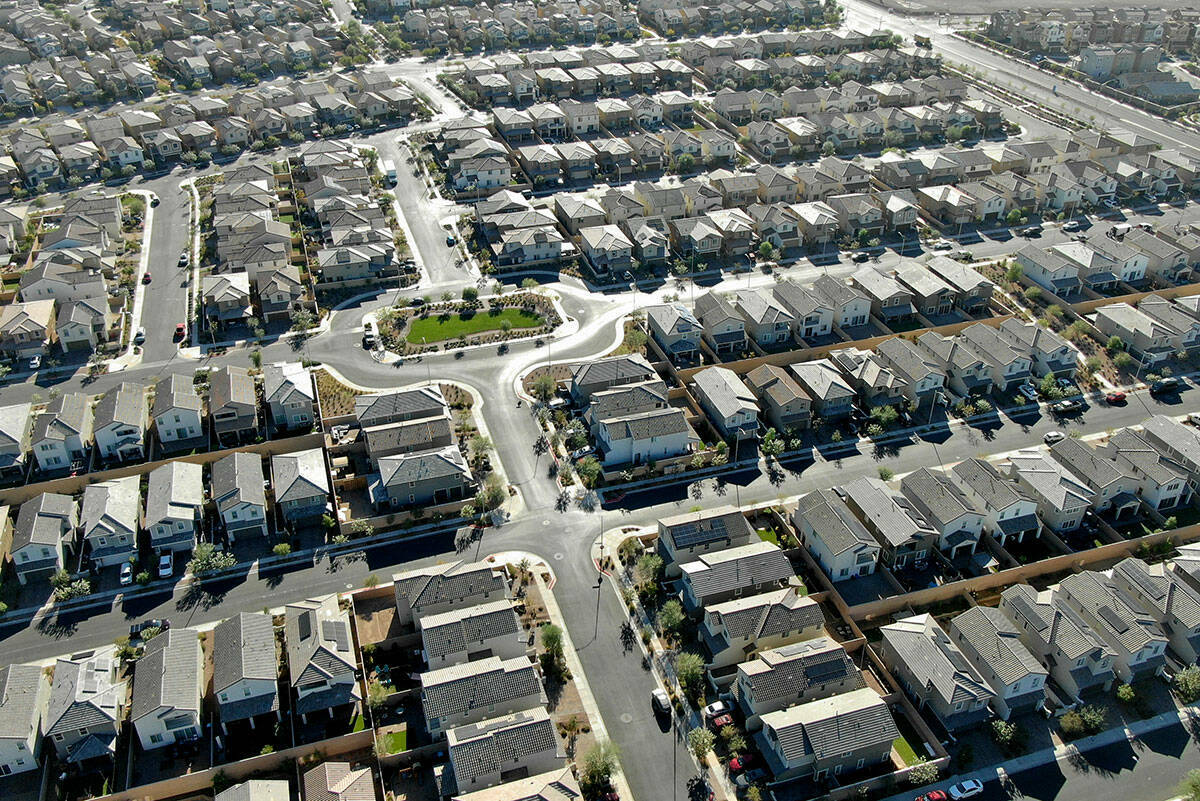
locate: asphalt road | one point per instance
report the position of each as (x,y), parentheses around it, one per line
(165,302)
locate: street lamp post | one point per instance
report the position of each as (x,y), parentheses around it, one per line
(428,377)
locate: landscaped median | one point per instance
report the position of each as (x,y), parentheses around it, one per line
(457,324)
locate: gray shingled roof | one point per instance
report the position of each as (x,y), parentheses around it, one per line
(1110,612)
(737,568)
(928,654)
(1054,623)
(175,492)
(793,670)
(614,369)
(389,407)
(833,521)
(460,689)
(1090,465)
(500,743)
(887,512)
(459,582)
(124,404)
(996,643)
(767,614)
(997,492)
(646,425)
(83,694)
(827,728)
(319,641)
(243,648)
(1161,592)
(257,790)
(450,632)
(168,675)
(19,701)
(64,416)
(43,520)
(237,478)
(299,476)
(939,500)
(723,523)
(175,392)
(423,466)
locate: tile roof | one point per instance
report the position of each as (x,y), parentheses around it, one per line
(300,475)
(833,522)
(767,614)
(736,568)
(480,749)
(792,671)
(928,653)
(21,701)
(451,632)
(319,641)
(459,582)
(243,648)
(888,513)
(1161,592)
(555,785)
(457,690)
(337,781)
(996,643)
(175,491)
(829,727)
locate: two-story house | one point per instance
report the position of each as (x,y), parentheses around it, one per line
(168,685)
(245,669)
(322,657)
(992,644)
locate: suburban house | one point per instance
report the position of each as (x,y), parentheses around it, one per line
(174,506)
(490,752)
(836,538)
(289,394)
(904,537)
(62,434)
(1136,639)
(1170,601)
(689,535)
(338,781)
(474,691)
(232,404)
(322,657)
(168,684)
(441,588)
(724,328)
(43,534)
(946,509)
(832,396)
(1061,496)
(1162,481)
(1113,484)
(844,732)
(734,630)
(786,405)
(16,430)
(730,405)
(793,674)
(676,330)
(735,572)
(86,707)
(1009,512)
(466,634)
(934,672)
(425,478)
(300,482)
(109,520)
(239,494)
(119,423)
(177,412)
(1077,658)
(992,644)
(245,669)
(24,695)
(615,371)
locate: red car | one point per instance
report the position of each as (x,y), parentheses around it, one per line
(741,762)
(1115,397)
(933,795)
(146,277)
(180,330)
(721,721)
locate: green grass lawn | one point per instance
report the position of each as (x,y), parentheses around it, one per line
(442,328)
(287,218)
(905,751)
(396,742)
(768,535)
(358,724)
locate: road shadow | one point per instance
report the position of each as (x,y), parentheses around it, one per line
(1170,740)
(1044,782)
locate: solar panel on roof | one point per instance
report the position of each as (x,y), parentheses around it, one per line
(336,630)
(824,671)
(304,624)
(696,533)
(1109,616)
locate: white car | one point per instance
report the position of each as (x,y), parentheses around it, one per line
(126,574)
(1053,437)
(660,700)
(166,566)
(967,789)
(35,362)
(715,709)
(1071,225)
(1109,203)
(942,244)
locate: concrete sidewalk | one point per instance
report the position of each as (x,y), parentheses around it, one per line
(1187,716)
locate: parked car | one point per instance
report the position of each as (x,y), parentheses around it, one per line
(1032,230)
(859,256)
(146,278)
(1068,386)
(1066,406)
(180,330)
(942,244)
(751,777)
(1193,418)
(126,574)
(741,762)
(154,201)
(166,566)
(582,453)
(450,242)
(1071,225)
(183,259)
(1028,391)
(1053,437)
(660,701)
(35,362)
(967,789)
(1163,386)
(1114,398)
(140,336)
(714,709)
(1109,203)
(932,795)
(135,631)
(721,721)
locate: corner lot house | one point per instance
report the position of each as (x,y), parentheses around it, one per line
(167,687)
(841,733)
(289,394)
(685,537)
(440,588)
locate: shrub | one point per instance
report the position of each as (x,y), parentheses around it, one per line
(598,765)
(281,549)
(1126,694)
(922,773)
(1187,684)
(701,743)
(886,474)
(470,294)
(689,668)
(207,559)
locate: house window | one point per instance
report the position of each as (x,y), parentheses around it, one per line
(156,738)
